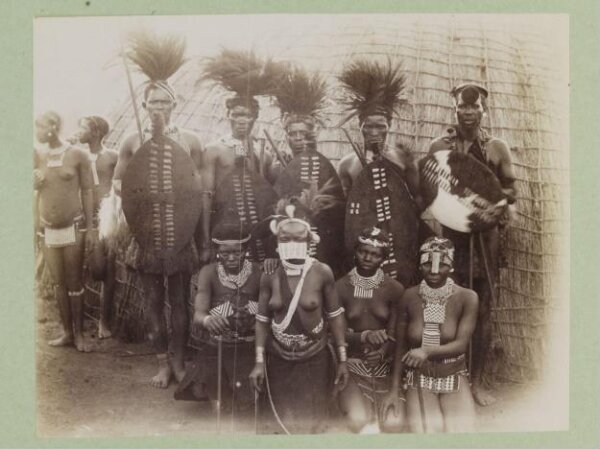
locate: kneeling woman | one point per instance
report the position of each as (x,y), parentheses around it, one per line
(435,321)
(370,300)
(225,307)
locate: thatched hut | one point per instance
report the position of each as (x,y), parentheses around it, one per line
(515,65)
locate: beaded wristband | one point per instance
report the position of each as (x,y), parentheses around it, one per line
(260,354)
(342,353)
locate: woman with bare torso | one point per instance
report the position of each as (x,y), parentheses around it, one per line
(435,321)
(225,309)
(63,181)
(297,305)
(103,161)
(369,298)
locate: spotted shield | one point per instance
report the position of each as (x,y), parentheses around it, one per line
(161,193)
(380,197)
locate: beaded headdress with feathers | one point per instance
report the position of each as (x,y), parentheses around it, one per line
(300,97)
(372,88)
(306,207)
(157,57)
(243,73)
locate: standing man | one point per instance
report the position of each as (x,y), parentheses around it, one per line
(233,185)
(153,168)
(301,98)
(374,92)
(92,131)
(383,187)
(467,137)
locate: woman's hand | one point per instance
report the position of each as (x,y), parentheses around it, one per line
(270,265)
(341,376)
(392,403)
(375,356)
(91,239)
(257,376)
(415,357)
(375,338)
(38,179)
(216,325)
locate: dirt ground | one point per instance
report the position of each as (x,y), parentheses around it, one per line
(106,393)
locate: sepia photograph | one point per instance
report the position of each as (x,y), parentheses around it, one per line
(292,224)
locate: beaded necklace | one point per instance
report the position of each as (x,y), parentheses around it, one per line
(434,310)
(234,281)
(56,156)
(364,286)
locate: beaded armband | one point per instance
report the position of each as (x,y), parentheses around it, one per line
(262,318)
(331,315)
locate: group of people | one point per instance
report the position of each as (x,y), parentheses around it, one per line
(317,288)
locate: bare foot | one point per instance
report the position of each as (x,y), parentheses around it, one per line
(178,371)
(163,377)
(103,331)
(82,345)
(482,396)
(63,340)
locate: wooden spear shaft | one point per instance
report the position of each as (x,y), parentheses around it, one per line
(136,112)
(361,157)
(275,149)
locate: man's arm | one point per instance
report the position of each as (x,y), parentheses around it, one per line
(196,149)
(506,171)
(344,174)
(202,299)
(125,154)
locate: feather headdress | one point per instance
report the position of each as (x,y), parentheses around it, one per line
(373,88)
(300,96)
(305,207)
(157,57)
(243,73)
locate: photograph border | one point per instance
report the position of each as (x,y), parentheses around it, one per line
(17,385)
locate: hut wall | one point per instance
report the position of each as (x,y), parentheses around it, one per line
(515,65)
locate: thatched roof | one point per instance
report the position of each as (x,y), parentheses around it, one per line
(516,66)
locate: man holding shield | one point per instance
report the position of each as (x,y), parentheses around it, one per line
(382,182)
(157,173)
(468,138)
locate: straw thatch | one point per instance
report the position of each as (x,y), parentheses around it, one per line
(515,65)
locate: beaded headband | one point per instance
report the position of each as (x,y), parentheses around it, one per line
(374,237)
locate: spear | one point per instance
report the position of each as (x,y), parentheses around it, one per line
(275,149)
(361,157)
(133,98)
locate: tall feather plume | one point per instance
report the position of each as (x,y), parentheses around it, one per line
(242,72)
(157,57)
(301,94)
(373,87)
